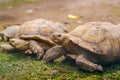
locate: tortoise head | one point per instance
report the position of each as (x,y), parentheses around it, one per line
(19,43)
(59,38)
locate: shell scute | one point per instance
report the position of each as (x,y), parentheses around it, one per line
(39,29)
(97,37)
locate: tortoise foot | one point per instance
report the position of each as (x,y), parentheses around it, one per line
(54,53)
(87,65)
(36,49)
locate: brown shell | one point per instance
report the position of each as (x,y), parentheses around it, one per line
(39,29)
(10,31)
(98,37)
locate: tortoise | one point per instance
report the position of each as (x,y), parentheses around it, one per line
(34,35)
(9,32)
(92,45)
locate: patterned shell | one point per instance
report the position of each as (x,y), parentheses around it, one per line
(39,29)
(10,31)
(98,37)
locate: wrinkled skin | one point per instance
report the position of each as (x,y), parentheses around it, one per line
(27,46)
(16,45)
(19,44)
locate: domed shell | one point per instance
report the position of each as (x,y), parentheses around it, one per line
(39,29)
(98,37)
(10,31)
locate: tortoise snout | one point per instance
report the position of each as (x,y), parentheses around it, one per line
(12,40)
(15,41)
(56,37)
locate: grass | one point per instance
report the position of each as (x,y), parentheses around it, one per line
(12,3)
(17,66)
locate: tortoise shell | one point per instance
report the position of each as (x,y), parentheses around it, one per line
(97,37)
(39,29)
(10,31)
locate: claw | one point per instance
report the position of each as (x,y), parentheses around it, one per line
(39,56)
(36,49)
(100,68)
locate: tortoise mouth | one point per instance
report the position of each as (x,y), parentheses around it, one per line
(12,42)
(55,38)
(56,41)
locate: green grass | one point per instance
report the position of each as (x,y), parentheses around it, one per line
(13,3)
(17,66)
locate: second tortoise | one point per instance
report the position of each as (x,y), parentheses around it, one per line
(92,45)
(34,36)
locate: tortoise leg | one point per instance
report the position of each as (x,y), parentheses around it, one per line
(5,38)
(87,65)
(54,53)
(36,49)
(8,48)
(28,51)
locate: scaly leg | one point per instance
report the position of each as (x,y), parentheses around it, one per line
(36,49)
(87,65)
(5,38)
(54,53)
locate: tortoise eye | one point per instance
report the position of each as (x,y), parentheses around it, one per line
(59,35)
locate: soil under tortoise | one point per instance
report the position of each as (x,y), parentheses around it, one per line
(33,37)
(92,45)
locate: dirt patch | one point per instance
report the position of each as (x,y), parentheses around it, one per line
(6,18)
(57,10)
